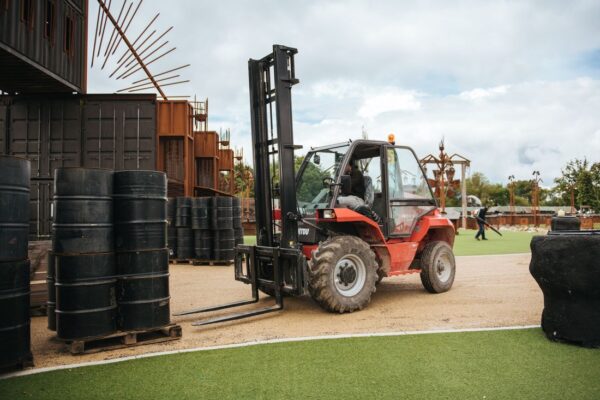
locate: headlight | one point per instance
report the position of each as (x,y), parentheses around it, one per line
(328,214)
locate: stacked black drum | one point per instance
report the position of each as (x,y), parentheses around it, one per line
(82,241)
(140,200)
(208,228)
(15,348)
(183,222)
(110,252)
(222,223)
(238,229)
(171,228)
(203,234)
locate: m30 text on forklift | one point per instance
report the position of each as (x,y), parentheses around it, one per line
(354,213)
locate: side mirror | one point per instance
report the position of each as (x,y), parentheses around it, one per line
(346,183)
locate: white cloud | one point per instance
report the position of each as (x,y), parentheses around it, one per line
(394,100)
(479,93)
(501,81)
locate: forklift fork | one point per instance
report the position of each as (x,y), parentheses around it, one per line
(251,276)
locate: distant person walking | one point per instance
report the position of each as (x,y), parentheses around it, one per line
(481,222)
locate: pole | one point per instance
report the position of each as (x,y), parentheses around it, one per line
(142,65)
(463,194)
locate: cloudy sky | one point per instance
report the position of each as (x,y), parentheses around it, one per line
(512,85)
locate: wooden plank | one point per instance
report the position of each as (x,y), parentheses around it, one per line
(124,339)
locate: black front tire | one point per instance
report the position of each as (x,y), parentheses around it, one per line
(332,257)
(438,267)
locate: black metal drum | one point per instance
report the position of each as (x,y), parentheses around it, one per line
(183,212)
(222,213)
(203,244)
(14,313)
(51,303)
(86,303)
(140,199)
(14,208)
(185,243)
(83,211)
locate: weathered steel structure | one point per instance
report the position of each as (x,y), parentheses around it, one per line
(43,46)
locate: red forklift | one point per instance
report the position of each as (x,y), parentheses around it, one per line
(354,212)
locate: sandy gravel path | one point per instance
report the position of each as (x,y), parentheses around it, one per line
(489,291)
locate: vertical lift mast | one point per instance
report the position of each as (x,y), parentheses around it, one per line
(276,264)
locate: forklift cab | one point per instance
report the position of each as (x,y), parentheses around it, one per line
(395,186)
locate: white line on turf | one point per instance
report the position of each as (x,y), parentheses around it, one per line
(260,342)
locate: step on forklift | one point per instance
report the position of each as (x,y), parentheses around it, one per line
(354,213)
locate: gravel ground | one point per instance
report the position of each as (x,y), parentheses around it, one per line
(489,291)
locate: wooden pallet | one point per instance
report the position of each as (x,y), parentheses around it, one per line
(124,339)
(215,263)
(182,261)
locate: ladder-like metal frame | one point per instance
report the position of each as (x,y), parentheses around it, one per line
(275,252)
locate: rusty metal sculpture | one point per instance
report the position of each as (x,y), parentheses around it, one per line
(137,56)
(443,182)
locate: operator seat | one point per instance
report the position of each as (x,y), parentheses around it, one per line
(369,191)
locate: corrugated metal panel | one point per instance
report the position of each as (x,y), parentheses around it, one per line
(225,160)
(40,208)
(47,132)
(32,63)
(205,172)
(175,118)
(120,133)
(52,131)
(206,144)
(172,152)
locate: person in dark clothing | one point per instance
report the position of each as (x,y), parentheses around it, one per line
(480,221)
(357,179)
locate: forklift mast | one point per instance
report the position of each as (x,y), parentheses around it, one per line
(276,264)
(271,80)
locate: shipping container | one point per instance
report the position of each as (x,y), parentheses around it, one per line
(206,144)
(106,131)
(47,131)
(175,118)
(225,160)
(43,46)
(120,132)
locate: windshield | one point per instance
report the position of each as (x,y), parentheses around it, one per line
(320,170)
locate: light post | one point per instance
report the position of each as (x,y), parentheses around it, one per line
(535,195)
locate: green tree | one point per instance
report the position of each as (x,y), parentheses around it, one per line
(244,182)
(581,178)
(489,193)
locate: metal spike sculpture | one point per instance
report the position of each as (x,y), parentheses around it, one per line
(443,182)
(138,55)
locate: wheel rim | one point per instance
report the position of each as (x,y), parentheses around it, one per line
(443,267)
(350,275)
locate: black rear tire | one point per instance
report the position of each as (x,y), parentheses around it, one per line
(342,274)
(438,267)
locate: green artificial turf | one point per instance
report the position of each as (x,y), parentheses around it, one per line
(510,242)
(466,245)
(517,364)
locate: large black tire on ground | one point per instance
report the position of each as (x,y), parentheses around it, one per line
(438,267)
(566,269)
(331,270)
